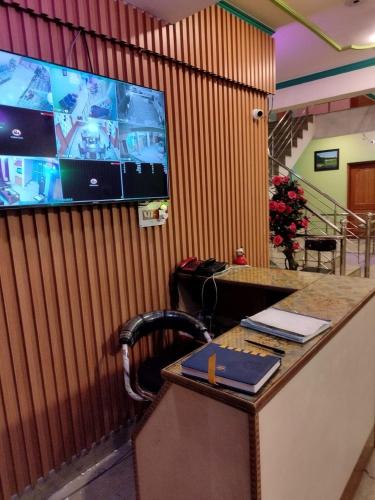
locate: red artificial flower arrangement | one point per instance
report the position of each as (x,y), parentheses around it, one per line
(286,216)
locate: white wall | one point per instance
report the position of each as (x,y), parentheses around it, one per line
(351,121)
(331,88)
(352,149)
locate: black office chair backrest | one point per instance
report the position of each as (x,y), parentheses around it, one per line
(143,324)
(148,379)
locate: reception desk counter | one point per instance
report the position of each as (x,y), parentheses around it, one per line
(303,436)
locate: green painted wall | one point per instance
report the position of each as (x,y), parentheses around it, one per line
(334,182)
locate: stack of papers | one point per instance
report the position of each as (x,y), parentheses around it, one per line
(285,324)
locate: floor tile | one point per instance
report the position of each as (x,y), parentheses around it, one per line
(370,467)
(366,490)
(115,481)
(115,484)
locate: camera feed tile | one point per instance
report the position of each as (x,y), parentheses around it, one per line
(91,180)
(89,140)
(25,82)
(83,95)
(145,180)
(29,181)
(26,132)
(140,107)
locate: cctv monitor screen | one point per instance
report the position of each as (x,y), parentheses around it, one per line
(68,137)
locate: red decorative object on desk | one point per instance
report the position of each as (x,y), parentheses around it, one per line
(240,259)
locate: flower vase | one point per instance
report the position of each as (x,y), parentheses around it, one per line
(290,262)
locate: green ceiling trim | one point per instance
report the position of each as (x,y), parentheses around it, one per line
(371,96)
(245,17)
(366,63)
(318,32)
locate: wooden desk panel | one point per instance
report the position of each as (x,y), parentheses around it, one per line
(319,404)
(319,423)
(190,450)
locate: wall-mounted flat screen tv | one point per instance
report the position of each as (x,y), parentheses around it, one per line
(68,137)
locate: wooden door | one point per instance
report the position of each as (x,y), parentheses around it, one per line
(361,188)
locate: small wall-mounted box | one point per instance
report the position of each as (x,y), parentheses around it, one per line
(153,213)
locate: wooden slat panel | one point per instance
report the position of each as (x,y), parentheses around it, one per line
(69,277)
(206,171)
(12,436)
(71,9)
(184,41)
(104,8)
(31,4)
(42,343)
(53,319)
(59,10)
(103,16)
(77,325)
(83,14)
(95,387)
(7,478)
(20,394)
(94,16)
(18,246)
(123,20)
(67,333)
(46,6)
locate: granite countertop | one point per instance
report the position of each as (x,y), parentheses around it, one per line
(324,296)
(269,277)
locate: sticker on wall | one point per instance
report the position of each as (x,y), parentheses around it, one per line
(153,213)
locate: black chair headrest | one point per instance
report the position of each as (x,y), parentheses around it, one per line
(146,323)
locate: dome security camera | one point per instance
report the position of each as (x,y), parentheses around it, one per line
(258,114)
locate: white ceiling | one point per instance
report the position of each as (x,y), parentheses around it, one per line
(272,16)
(298,51)
(171,10)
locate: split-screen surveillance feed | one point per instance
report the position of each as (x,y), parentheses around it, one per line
(68,136)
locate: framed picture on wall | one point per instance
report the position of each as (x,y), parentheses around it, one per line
(326,160)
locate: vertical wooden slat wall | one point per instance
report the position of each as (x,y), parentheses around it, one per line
(70,276)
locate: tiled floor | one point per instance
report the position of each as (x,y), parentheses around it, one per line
(110,479)
(366,490)
(115,484)
(354,264)
(113,480)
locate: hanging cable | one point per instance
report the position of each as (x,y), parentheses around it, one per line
(86,46)
(213,278)
(88,52)
(72,45)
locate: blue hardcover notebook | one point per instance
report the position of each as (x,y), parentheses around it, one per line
(236,369)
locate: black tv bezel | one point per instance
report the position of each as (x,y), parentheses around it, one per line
(95,202)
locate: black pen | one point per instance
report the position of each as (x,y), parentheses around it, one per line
(276,350)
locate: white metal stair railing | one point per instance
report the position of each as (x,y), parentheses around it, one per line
(280,133)
(328,218)
(284,135)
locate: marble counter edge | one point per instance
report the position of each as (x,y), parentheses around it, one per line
(237,399)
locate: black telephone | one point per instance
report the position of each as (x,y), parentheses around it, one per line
(203,268)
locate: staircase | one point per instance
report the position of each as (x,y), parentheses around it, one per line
(354,233)
(285,135)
